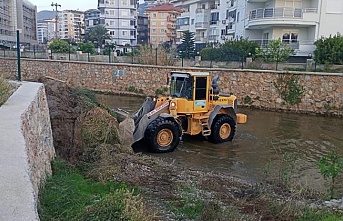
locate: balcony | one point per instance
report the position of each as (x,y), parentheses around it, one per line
(213,37)
(200,39)
(171,35)
(201,25)
(283,16)
(184,14)
(182,28)
(301,47)
(172,19)
(170,26)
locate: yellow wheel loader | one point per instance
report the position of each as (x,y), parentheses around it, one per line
(194,106)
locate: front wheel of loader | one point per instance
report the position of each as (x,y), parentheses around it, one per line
(223,129)
(162,135)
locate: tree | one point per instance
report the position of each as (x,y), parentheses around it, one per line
(275,51)
(238,50)
(187,47)
(87,47)
(329,50)
(60,46)
(98,33)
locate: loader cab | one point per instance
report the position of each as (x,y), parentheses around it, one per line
(190,90)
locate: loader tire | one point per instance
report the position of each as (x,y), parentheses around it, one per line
(223,129)
(162,135)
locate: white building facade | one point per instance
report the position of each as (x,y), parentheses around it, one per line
(120,18)
(17,15)
(297,22)
(46,30)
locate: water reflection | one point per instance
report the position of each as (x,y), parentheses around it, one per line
(265,138)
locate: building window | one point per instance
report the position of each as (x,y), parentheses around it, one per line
(153,23)
(192,21)
(163,23)
(124,33)
(237,17)
(124,2)
(125,23)
(154,15)
(153,38)
(153,30)
(163,31)
(163,15)
(290,37)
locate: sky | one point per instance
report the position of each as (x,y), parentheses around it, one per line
(82,5)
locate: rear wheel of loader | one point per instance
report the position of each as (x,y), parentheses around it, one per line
(162,135)
(223,129)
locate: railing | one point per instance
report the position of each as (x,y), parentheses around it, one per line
(201,24)
(213,37)
(170,26)
(266,13)
(295,44)
(202,39)
(171,34)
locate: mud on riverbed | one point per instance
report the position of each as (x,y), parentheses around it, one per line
(86,135)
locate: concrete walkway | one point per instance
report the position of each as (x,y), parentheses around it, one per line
(17,198)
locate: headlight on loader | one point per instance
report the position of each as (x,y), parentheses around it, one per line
(173,105)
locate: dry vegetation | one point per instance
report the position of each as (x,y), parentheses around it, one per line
(5,89)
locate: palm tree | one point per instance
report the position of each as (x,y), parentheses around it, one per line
(99,33)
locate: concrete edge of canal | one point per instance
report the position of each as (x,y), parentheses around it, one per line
(26,151)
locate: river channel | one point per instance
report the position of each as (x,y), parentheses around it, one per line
(260,146)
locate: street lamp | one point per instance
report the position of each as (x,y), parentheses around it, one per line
(18,54)
(181,55)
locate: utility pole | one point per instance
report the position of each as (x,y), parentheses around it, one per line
(56,17)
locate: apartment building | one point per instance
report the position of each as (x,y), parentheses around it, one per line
(120,18)
(46,30)
(297,22)
(17,15)
(162,23)
(92,18)
(71,25)
(142,30)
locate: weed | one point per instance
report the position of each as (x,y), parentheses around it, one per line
(289,89)
(131,89)
(67,195)
(134,90)
(247,100)
(287,168)
(330,167)
(161,91)
(188,205)
(4,90)
(319,215)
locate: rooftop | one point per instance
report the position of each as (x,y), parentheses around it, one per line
(164,7)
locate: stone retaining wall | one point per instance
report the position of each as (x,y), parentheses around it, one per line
(323,92)
(26,151)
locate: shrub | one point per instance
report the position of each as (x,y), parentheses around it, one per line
(4,90)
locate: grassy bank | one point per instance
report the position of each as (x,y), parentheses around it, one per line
(67,195)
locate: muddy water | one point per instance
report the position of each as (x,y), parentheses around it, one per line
(260,146)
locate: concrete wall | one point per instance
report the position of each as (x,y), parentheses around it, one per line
(26,150)
(323,91)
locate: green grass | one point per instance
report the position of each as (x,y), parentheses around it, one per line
(67,195)
(318,215)
(188,205)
